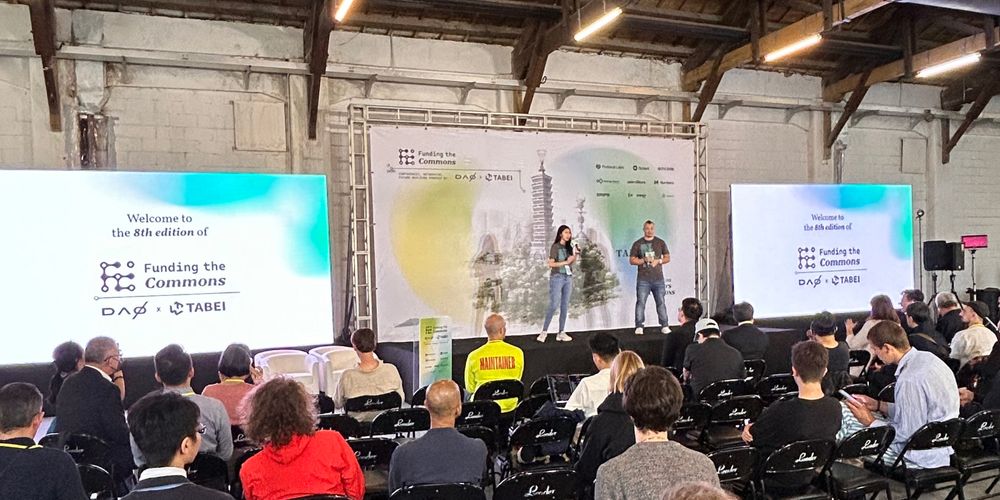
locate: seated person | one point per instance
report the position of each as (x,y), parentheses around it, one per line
(297,460)
(496,360)
(442,455)
(921,333)
(746,338)
(592,390)
(810,415)
(679,338)
(235,366)
(697,491)
(881,310)
(823,330)
(909,296)
(28,471)
(166,429)
(711,359)
(925,392)
(949,315)
(653,400)
(372,377)
(610,432)
(90,402)
(174,370)
(976,340)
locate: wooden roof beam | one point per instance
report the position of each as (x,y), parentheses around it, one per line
(316,42)
(43,32)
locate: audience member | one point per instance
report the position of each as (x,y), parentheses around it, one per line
(922,334)
(166,428)
(949,315)
(711,359)
(976,340)
(67,358)
(823,329)
(925,392)
(496,360)
(881,310)
(235,366)
(679,338)
(909,296)
(592,390)
(29,471)
(372,377)
(746,338)
(174,370)
(653,400)
(610,432)
(697,491)
(442,455)
(297,460)
(90,402)
(810,415)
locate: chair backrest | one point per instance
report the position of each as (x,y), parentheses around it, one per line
(736,410)
(484,434)
(862,389)
(373,453)
(526,409)
(97,482)
(376,402)
(418,397)
(346,425)
(867,442)
(236,486)
(561,484)
(499,389)
(798,458)
(755,369)
(932,435)
(982,425)
(543,431)
(562,386)
(735,465)
(777,386)
(276,359)
(888,393)
(539,387)
(336,357)
(209,471)
(859,357)
(457,491)
(87,449)
(50,440)
(240,439)
(484,413)
(722,390)
(693,417)
(401,421)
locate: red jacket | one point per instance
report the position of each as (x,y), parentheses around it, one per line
(308,465)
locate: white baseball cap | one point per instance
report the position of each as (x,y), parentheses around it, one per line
(706,324)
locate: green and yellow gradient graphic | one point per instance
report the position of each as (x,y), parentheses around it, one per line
(862,198)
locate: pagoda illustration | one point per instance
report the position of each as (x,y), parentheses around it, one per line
(541,208)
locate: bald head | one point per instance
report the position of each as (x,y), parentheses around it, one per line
(444,402)
(496,327)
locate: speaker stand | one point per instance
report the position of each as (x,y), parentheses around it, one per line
(951,277)
(934,279)
(973,267)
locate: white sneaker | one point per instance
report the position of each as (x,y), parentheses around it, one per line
(638,331)
(562,337)
(665,329)
(541,337)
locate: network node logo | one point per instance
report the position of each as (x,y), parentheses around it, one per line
(121,281)
(807,258)
(407,156)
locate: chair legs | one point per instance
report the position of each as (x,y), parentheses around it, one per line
(993,484)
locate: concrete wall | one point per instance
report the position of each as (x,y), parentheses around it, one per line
(181,117)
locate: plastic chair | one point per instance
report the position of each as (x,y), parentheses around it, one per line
(297,365)
(333,360)
(722,390)
(401,421)
(97,482)
(456,491)
(801,461)
(561,484)
(847,481)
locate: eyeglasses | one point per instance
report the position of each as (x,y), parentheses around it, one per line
(201,429)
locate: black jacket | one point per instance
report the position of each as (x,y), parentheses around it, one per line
(748,339)
(610,433)
(950,324)
(90,404)
(173,488)
(711,361)
(676,344)
(30,472)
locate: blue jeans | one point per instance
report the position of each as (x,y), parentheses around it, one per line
(560,287)
(642,289)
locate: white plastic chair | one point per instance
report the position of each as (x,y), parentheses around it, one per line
(334,360)
(298,365)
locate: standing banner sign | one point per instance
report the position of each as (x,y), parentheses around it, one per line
(434,351)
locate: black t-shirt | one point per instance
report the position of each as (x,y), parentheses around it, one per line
(676,344)
(656,248)
(795,419)
(711,361)
(950,324)
(840,358)
(28,473)
(559,253)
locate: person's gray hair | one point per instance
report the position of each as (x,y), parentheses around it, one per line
(98,349)
(945,299)
(19,403)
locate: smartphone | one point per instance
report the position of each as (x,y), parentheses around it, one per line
(849,396)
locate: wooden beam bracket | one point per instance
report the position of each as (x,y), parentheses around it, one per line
(986,93)
(562,96)
(726,107)
(852,105)
(640,104)
(791,112)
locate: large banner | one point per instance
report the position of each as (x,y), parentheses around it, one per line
(464,220)
(149,259)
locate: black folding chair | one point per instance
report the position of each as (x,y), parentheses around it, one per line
(544,441)
(775,387)
(50,441)
(418,397)
(853,389)
(209,471)
(97,482)
(527,408)
(560,484)
(690,426)
(346,425)
(374,455)
(972,456)
(725,425)
(846,481)
(87,449)
(722,390)
(540,387)
(489,438)
(795,463)
(497,390)
(930,436)
(401,421)
(456,491)
(755,369)
(378,402)
(236,486)
(888,393)
(859,358)
(735,468)
(240,439)
(479,413)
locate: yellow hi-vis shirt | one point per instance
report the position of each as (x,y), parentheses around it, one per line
(496,360)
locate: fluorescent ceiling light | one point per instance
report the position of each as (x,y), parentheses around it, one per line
(946,66)
(802,44)
(345,5)
(598,24)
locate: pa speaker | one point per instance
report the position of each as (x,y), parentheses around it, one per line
(936,255)
(956,257)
